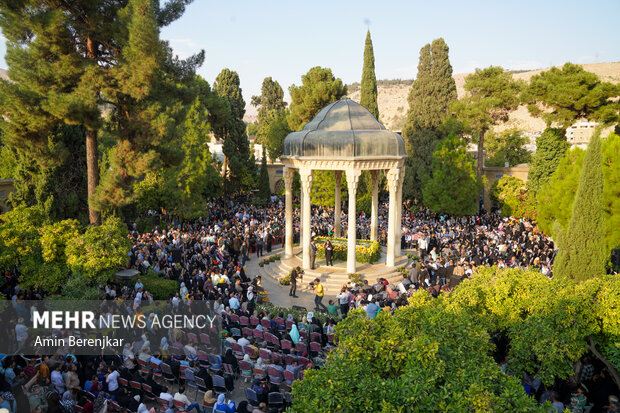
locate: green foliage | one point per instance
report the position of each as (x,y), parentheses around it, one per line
(551,147)
(8,162)
(197,179)
(79,288)
(270,99)
(548,322)
(272,131)
(513,197)
(264,191)
(429,99)
(491,94)
(71,63)
(555,198)
(507,146)
(562,96)
(160,288)
(236,147)
(324,187)
(424,357)
(420,147)
(581,251)
(319,88)
(368,94)
(100,251)
(454,187)
(54,179)
(365,250)
(433,90)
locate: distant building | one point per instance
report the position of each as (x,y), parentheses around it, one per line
(580,132)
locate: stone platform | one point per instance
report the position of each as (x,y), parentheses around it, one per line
(332,277)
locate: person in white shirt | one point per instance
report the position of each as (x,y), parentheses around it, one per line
(179,396)
(168,397)
(112,379)
(57,379)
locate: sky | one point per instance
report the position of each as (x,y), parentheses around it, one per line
(283,39)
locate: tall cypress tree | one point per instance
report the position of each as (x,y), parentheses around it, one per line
(236,146)
(368,93)
(581,252)
(264,190)
(429,99)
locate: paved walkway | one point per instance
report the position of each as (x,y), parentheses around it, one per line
(279,294)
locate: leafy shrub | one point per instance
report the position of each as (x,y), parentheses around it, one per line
(160,288)
(365,250)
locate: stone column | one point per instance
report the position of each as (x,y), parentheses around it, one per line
(337,204)
(301,216)
(306,187)
(399,211)
(374,221)
(353,176)
(288,190)
(392,179)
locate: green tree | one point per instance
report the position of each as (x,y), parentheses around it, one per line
(429,99)
(423,357)
(368,93)
(491,94)
(100,251)
(264,190)
(513,197)
(581,250)
(551,147)
(197,178)
(507,146)
(273,131)
(56,179)
(454,186)
(555,197)
(69,60)
(433,90)
(562,96)
(271,98)
(236,147)
(319,88)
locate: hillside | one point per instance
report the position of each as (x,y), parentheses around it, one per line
(393,98)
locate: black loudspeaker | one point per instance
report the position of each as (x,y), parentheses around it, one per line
(615,256)
(176,255)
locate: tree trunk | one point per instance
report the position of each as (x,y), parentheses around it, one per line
(92,170)
(610,367)
(480,160)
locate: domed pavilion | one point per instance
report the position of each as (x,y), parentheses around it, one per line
(344,136)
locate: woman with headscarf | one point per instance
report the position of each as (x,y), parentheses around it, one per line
(222,406)
(183,291)
(229,358)
(66,403)
(101,404)
(209,399)
(246,358)
(260,364)
(294,333)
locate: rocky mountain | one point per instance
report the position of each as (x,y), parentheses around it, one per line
(393,104)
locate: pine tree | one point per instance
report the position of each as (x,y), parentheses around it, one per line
(368,93)
(581,253)
(551,147)
(492,94)
(68,60)
(236,147)
(264,190)
(319,88)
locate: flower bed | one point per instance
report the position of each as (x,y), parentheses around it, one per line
(365,250)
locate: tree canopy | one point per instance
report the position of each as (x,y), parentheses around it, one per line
(491,94)
(562,96)
(319,88)
(551,146)
(507,147)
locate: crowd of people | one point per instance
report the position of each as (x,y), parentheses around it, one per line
(208,257)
